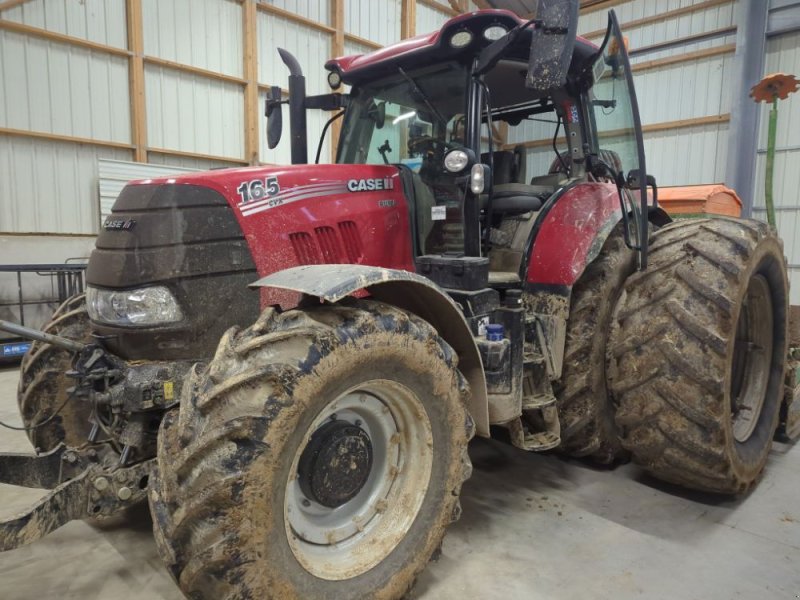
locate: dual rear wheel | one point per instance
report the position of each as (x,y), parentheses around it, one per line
(680,366)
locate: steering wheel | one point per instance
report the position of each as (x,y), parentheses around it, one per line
(427,144)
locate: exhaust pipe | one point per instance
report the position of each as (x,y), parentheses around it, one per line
(297,108)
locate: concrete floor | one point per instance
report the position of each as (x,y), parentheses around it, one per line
(533,527)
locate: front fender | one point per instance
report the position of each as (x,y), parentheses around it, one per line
(405,290)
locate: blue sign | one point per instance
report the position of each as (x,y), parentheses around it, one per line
(15,349)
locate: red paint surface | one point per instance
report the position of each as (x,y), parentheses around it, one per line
(380,217)
(568,231)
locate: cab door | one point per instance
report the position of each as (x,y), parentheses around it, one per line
(617,133)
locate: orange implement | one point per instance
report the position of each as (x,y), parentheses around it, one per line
(699,200)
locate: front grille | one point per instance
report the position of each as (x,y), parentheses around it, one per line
(185,237)
(304,248)
(352,241)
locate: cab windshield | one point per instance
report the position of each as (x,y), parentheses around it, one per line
(409,118)
(412,118)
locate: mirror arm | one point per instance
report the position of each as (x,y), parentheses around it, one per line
(328,101)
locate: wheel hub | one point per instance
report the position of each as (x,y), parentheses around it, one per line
(335,464)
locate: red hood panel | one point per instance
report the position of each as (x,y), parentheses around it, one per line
(314,214)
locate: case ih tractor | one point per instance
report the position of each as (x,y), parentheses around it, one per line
(289,361)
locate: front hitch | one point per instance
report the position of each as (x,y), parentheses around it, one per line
(81,487)
(95,479)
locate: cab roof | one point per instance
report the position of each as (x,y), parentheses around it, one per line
(435,47)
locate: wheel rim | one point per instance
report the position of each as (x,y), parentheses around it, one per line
(384,435)
(752,358)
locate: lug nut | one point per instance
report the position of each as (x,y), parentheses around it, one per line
(124,493)
(101,484)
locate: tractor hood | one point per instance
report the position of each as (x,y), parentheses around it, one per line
(206,236)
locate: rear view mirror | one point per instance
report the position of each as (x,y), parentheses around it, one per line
(377,112)
(274,116)
(552,43)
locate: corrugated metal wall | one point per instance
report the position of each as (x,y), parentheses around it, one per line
(375,21)
(55,88)
(194,84)
(193,113)
(197,119)
(430,18)
(201,33)
(783,55)
(311,47)
(684,82)
(49,186)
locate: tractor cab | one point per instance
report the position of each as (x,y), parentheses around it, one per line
(472,115)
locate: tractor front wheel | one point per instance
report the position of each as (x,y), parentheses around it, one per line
(697,353)
(319,455)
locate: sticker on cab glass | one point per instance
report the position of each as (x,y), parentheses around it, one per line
(438,213)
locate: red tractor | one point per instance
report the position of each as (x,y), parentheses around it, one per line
(290,361)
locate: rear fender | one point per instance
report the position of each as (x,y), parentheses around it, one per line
(405,290)
(570,233)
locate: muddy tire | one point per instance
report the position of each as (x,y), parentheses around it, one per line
(43,382)
(251,498)
(584,405)
(696,355)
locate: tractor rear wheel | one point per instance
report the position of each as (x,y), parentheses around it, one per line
(43,382)
(584,407)
(697,351)
(319,455)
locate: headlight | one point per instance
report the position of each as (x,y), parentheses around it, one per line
(456,161)
(145,306)
(494,32)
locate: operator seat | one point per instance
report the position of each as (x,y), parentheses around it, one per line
(562,165)
(511,194)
